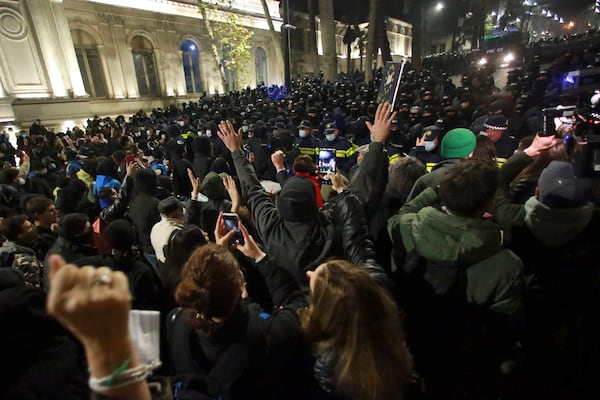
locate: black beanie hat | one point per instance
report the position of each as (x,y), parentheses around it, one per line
(144,181)
(298,201)
(119,234)
(72,225)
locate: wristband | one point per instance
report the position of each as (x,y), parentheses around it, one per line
(123,376)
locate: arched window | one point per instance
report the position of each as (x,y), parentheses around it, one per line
(260,62)
(230,75)
(145,67)
(89,63)
(191,66)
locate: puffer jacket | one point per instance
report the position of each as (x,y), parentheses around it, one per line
(449,243)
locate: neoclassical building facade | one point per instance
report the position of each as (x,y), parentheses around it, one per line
(64,60)
(73,58)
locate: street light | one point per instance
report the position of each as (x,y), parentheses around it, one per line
(439,6)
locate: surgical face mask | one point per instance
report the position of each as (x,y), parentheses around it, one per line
(21,181)
(180,123)
(208,133)
(330,137)
(302,133)
(429,145)
(245,128)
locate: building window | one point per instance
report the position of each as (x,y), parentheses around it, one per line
(145,66)
(89,63)
(229,71)
(191,66)
(260,63)
(442,47)
(406,46)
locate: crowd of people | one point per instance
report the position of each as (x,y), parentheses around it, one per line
(440,249)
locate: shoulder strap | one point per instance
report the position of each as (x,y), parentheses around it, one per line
(178,337)
(167,247)
(234,361)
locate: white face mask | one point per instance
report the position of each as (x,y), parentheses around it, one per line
(245,128)
(21,181)
(302,133)
(330,137)
(180,123)
(429,145)
(208,133)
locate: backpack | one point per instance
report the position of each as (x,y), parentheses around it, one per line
(218,378)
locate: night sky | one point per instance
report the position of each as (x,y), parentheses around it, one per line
(358,10)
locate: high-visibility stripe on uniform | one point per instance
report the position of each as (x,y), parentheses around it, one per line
(429,166)
(308,151)
(346,153)
(394,157)
(500,161)
(188,134)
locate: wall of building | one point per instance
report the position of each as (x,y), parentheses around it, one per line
(39,70)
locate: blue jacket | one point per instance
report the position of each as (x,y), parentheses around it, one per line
(103,181)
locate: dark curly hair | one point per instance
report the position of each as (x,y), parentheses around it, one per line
(211,285)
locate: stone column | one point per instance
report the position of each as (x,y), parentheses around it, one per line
(115,80)
(61,26)
(43,24)
(124,54)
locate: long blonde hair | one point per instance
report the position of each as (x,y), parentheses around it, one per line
(355,318)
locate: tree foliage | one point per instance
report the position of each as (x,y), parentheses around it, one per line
(234,40)
(230,39)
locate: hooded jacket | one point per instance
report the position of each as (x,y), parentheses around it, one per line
(449,243)
(555,244)
(293,245)
(434,178)
(552,227)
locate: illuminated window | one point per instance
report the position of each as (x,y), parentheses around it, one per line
(260,62)
(145,66)
(90,66)
(191,66)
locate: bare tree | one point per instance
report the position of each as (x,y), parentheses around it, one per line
(328,39)
(213,45)
(350,37)
(312,38)
(274,35)
(371,46)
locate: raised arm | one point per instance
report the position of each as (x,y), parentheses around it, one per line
(259,202)
(283,289)
(94,303)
